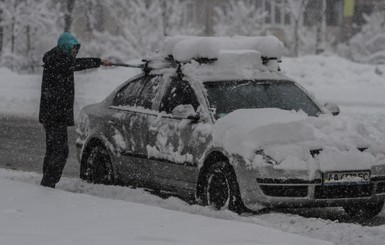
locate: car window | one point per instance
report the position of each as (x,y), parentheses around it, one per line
(179,92)
(128,94)
(148,92)
(226,97)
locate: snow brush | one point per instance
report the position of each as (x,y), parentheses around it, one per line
(128,65)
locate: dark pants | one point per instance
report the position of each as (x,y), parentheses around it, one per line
(56,154)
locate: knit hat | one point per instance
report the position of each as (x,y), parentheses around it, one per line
(66,42)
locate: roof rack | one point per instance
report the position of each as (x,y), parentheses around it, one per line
(203,60)
(266,60)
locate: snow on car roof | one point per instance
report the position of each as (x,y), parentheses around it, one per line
(186,48)
(235,66)
(220,58)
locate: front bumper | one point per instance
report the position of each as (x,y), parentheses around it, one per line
(313,194)
(257,190)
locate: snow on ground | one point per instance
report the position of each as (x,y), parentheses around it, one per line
(124,215)
(31,214)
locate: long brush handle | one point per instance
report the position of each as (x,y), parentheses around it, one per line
(127,65)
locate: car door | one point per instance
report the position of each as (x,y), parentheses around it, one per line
(127,123)
(175,144)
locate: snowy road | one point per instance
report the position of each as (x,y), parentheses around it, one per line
(22,146)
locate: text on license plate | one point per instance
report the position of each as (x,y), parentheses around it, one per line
(346,177)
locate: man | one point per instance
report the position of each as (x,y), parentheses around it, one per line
(57,102)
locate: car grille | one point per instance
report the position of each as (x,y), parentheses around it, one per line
(342,191)
(284,191)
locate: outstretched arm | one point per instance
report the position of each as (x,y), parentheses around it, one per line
(88,63)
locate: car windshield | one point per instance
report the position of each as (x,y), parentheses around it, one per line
(228,96)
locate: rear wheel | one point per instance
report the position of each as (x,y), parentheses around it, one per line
(364,211)
(221,189)
(98,168)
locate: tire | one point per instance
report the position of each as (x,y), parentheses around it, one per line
(220,188)
(98,167)
(364,211)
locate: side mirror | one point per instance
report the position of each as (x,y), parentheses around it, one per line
(186,112)
(333,108)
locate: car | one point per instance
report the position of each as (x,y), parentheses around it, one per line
(214,120)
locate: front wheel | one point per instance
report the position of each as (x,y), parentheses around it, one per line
(98,168)
(221,189)
(364,211)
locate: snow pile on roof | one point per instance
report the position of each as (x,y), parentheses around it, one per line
(234,65)
(184,48)
(217,54)
(289,136)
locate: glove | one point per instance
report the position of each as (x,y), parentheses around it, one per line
(106,62)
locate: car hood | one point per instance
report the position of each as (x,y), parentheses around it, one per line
(292,139)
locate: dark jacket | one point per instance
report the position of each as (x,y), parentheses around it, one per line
(57,89)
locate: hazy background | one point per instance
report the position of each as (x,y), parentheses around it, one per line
(127,29)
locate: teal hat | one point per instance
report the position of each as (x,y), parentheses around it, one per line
(66,41)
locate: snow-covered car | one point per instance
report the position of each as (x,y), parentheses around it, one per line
(215,120)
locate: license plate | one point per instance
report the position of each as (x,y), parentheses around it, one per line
(347,177)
